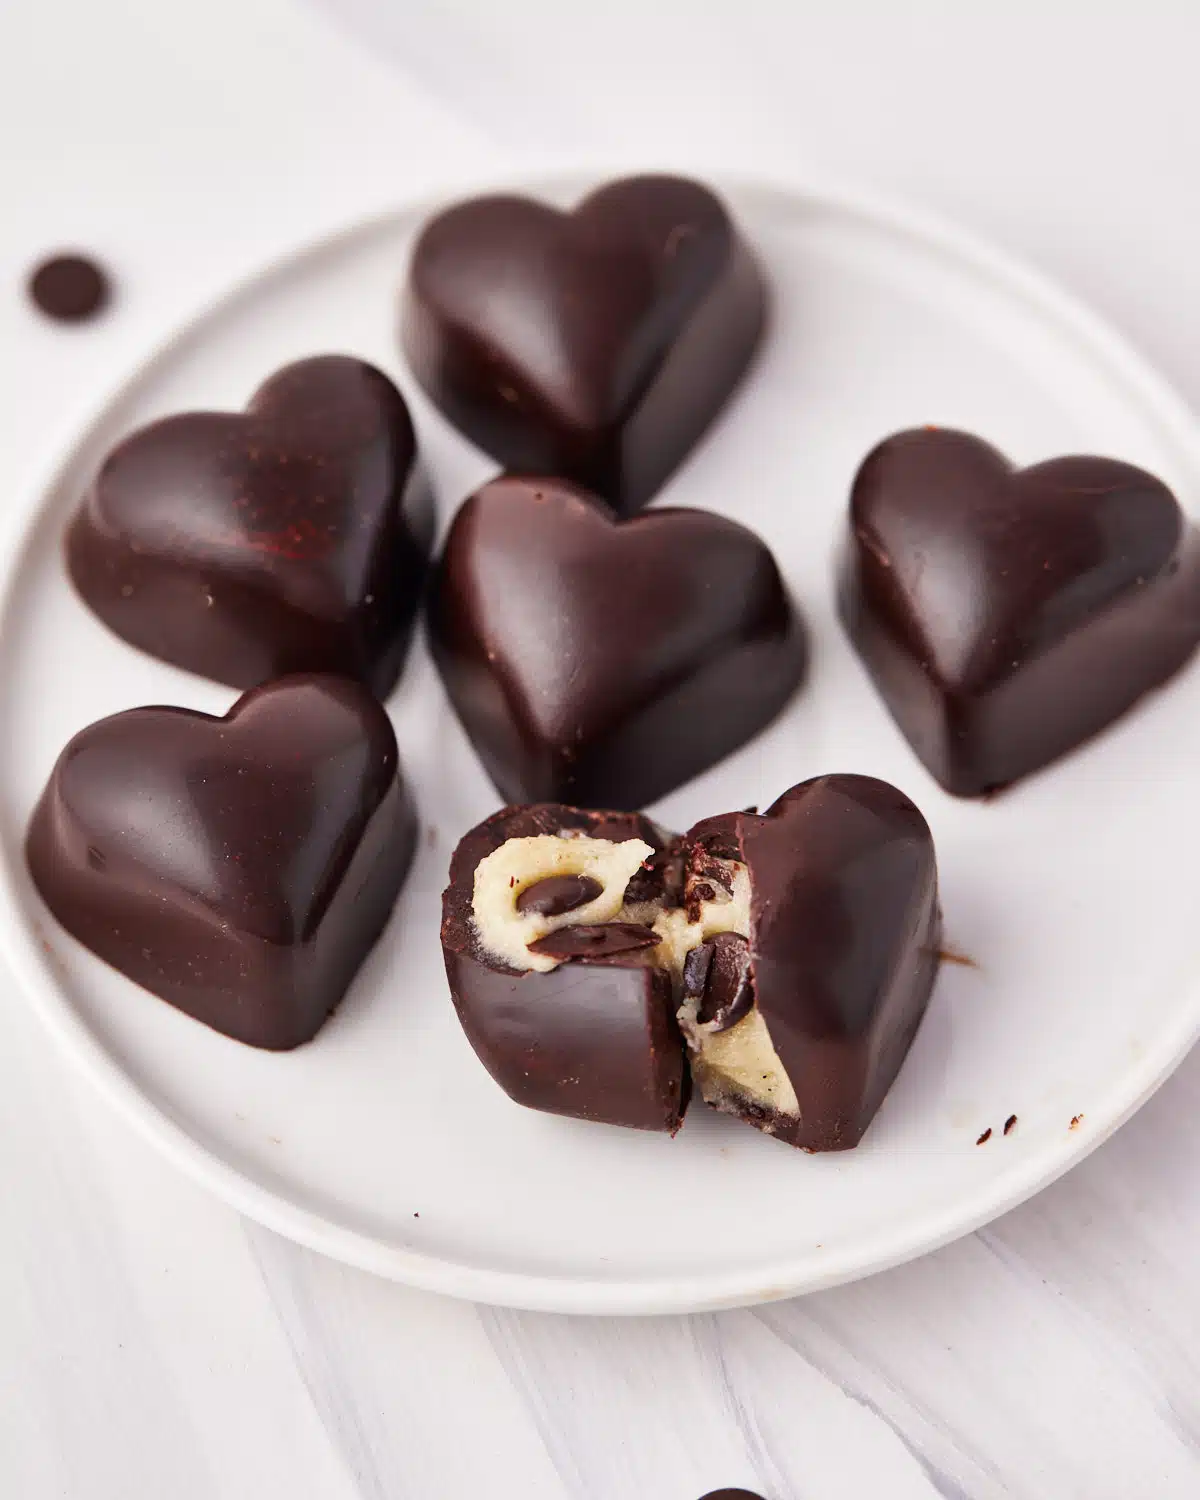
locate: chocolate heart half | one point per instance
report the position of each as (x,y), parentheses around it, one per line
(796,950)
(834,891)
(596,344)
(1007,615)
(292,538)
(592,1035)
(241,868)
(603,662)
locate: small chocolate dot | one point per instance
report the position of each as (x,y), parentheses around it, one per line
(985,1137)
(731,1495)
(1009,1124)
(69,288)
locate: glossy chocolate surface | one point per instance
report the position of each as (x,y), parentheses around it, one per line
(596,1040)
(241,868)
(596,344)
(292,538)
(844,939)
(1007,615)
(602,662)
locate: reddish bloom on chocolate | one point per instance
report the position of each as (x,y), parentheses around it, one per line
(292,538)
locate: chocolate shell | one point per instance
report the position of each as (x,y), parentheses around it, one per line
(241,868)
(1007,615)
(844,935)
(596,1039)
(292,538)
(597,344)
(601,662)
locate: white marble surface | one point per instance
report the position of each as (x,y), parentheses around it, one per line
(151,1343)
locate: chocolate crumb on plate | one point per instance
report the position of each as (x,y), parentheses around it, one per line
(1009,1124)
(69,288)
(985,1137)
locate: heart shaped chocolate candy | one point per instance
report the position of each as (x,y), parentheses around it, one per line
(825,953)
(242,867)
(1006,615)
(292,538)
(797,951)
(603,662)
(560,1001)
(596,344)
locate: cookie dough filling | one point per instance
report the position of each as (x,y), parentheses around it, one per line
(734,1061)
(532,888)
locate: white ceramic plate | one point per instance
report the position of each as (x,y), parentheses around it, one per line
(384,1143)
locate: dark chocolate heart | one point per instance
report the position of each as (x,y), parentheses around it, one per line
(603,662)
(597,344)
(293,538)
(241,867)
(1006,614)
(844,939)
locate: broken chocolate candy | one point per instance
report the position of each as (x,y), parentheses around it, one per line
(292,538)
(241,868)
(590,1036)
(600,662)
(835,893)
(1007,615)
(799,948)
(596,344)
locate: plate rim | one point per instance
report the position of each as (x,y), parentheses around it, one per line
(33,968)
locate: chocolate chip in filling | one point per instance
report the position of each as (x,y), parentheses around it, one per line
(558,894)
(532,885)
(717,975)
(600,940)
